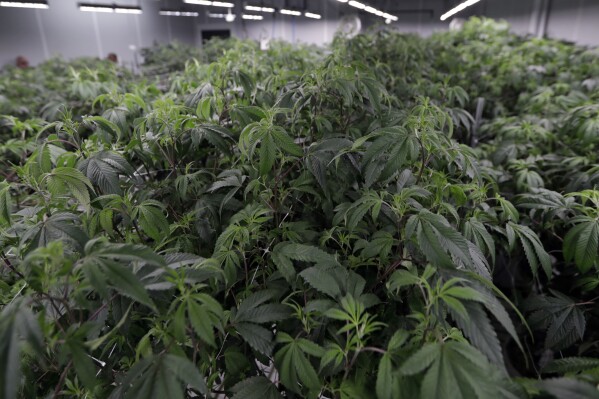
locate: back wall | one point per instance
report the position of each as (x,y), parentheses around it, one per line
(64,30)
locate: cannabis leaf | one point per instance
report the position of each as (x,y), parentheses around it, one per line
(533,248)
(103,169)
(255,388)
(18,325)
(108,265)
(571,365)
(64,181)
(582,242)
(5,204)
(151,218)
(293,363)
(569,388)
(272,139)
(560,316)
(285,252)
(164,375)
(391,149)
(437,239)
(453,369)
(253,311)
(64,226)
(218,136)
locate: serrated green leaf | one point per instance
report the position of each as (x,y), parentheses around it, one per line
(569,388)
(571,365)
(257,336)
(255,388)
(201,322)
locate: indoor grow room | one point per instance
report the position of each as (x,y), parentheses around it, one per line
(299,199)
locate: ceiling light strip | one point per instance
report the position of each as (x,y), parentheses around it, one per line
(252,17)
(363,7)
(458,8)
(259,8)
(285,11)
(175,13)
(109,8)
(210,3)
(219,15)
(95,8)
(24,4)
(127,10)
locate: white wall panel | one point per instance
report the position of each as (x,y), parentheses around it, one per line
(71,33)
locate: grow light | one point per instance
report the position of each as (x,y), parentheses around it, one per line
(210,3)
(94,8)
(21,4)
(127,10)
(369,9)
(357,4)
(259,9)
(458,8)
(252,17)
(227,17)
(107,8)
(290,12)
(173,13)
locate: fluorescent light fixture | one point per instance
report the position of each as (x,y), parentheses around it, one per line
(21,4)
(357,4)
(98,8)
(369,9)
(228,17)
(173,13)
(210,3)
(109,8)
(290,12)
(252,17)
(312,15)
(390,17)
(127,10)
(458,8)
(259,9)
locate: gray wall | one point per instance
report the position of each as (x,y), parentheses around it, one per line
(281,27)
(304,30)
(575,20)
(421,23)
(572,20)
(64,30)
(519,13)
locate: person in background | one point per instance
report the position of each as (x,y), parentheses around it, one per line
(22,62)
(112,57)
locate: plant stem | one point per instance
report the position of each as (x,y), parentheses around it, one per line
(63,376)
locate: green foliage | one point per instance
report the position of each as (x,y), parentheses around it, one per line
(304,222)
(453,369)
